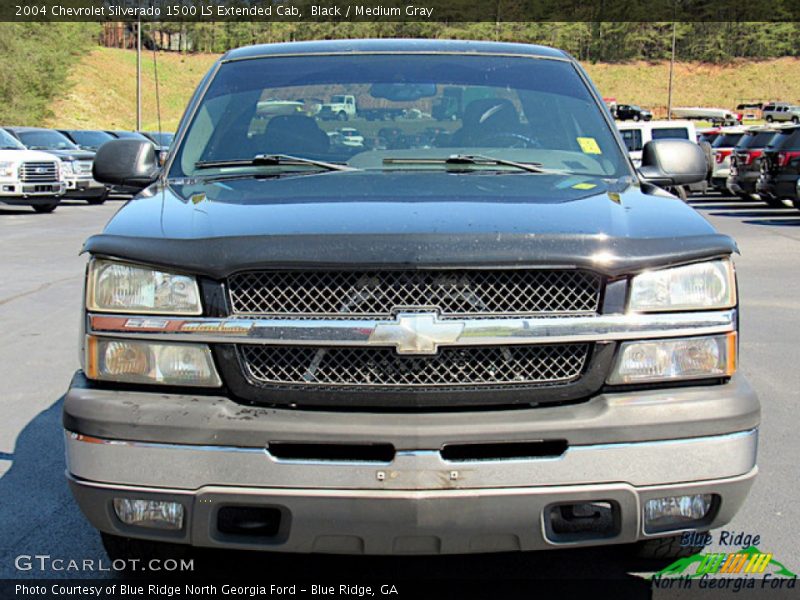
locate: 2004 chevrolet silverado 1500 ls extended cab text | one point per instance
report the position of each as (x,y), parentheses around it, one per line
(485,334)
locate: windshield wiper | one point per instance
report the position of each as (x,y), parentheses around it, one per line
(269,160)
(470,159)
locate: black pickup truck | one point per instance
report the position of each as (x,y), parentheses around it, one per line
(503,338)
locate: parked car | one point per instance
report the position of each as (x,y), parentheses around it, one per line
(722,149)
(636,135)
(512,341)
(746,161)
(708,134)
(625,112)
(87,139)
(780,166)
(29,177)
(128,135)
(76,164)
(781,111)
(162,139)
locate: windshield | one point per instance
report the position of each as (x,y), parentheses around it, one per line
(727,140)
(757,139)
(400,107)
(46,139)
(9,142)
(91,139)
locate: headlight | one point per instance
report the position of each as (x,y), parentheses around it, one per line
(124,288)
(133,361)
(7,169)
(66,167)
(675,359)
(699,286)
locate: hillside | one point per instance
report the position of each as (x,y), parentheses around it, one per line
(102,86)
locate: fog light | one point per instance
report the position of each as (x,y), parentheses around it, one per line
(155,514)
(674,359)
(676,512)
(133,361)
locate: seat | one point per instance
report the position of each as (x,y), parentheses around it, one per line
(484,118)
(292,134)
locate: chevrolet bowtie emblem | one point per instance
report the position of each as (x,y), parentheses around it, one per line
(416,333)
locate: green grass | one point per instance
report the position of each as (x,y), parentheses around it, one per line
(101,90)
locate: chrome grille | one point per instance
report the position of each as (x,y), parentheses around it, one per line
(38,171)
(361,368)
(380,293)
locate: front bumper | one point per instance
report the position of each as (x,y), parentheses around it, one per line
(208,452)
(82,187)
(23,193)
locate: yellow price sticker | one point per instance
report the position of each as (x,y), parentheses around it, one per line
(589,145)
(583,186)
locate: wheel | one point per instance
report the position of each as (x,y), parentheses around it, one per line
(45,208)
(795,120)
(773,202)
(341,115)
(99,199)
(118,547)
(635,117)
(681,192)
(769,119)
(666,547)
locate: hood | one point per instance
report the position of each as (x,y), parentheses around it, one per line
(27,155)
(408,218)
(72,154)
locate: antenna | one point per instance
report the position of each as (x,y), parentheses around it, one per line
(155,77)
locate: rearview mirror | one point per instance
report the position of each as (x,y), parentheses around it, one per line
(668,163)
(131,163)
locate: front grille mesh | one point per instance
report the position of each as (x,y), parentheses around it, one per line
(38,171)
(383,368)
(380,293)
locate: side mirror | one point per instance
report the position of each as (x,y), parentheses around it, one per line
(668,163)
(130,163)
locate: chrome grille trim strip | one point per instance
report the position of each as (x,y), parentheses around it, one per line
(361,332)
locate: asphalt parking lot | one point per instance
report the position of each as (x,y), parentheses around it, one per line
(39,310)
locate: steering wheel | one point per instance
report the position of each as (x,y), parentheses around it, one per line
(509,139)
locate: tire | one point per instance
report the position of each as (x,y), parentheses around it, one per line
(44,208)
(341,115)
(773,202)
(681,192)
(768,119)
(99,199)
(664,548)
(795,120)
(635,117)
(125,548)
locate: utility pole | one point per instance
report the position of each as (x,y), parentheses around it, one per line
(139,75)
(671,68)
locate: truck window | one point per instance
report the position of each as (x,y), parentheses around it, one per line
(670,133)
(632,139)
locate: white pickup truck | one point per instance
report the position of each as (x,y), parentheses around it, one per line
(341,107)
(29,177)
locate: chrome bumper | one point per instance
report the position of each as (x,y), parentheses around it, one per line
(189,467)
